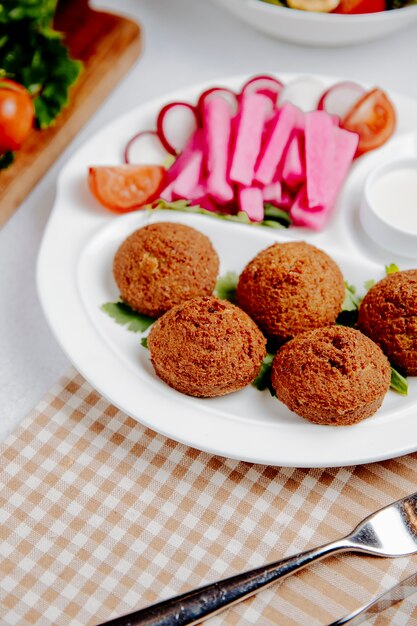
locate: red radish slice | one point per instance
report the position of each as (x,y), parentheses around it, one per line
(217,118)
(265,85)
(145,148)
(251,202)
(340,98)
(227,94)
(275,144)
(303,92)
(253,114)
(175,124)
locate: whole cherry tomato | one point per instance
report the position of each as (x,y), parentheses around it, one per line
(16,115)
(125,188)
(373,118)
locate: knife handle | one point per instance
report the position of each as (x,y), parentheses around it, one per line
(194,606)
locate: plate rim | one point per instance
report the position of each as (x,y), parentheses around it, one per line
(50,312)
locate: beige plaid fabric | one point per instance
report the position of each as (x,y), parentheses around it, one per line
(101,516)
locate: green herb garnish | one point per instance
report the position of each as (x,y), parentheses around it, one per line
(226,287)
(263,379)
(126,316)
(33,54)
(398,382)
(276,218)
(144,342)
(391,269)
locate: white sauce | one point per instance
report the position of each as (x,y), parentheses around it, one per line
(394,198)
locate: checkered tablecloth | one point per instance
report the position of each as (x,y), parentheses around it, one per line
(101,516)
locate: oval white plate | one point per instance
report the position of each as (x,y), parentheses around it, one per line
(319,29)
(74,280)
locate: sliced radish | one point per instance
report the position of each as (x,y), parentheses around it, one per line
(301,214)
(340,98)
(145,148)
(276,195)
(253,115)
(251,202)
(303,92)
(227,94)
(217,122)
(346,144)
(265,85)
(275,144)
(175,124)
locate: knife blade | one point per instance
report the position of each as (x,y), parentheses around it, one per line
(395,594)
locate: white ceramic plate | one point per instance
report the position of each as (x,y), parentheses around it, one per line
(75,279)
(319,29)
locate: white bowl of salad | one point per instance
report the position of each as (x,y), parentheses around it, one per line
(325,22)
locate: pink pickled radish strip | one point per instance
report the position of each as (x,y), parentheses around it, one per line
(340,98)
(252,117)
(187,182)
(293,171)
(301,214)
(195,143)
(251,202)
(266,85)
(319,155)
(275,144)
(217,118)
(273,193)
(346,144)
(175,124)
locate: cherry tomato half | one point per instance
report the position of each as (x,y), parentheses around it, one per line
(125,187)
(360,6)
(16,115)
(373,118)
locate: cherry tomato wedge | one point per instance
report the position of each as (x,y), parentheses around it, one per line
(125,187)
(16,115)
(373,118)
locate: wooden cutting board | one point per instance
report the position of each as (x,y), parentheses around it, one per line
(108,45)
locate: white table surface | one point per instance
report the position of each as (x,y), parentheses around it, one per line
(185,41)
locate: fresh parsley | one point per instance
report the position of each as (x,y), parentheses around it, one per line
(398,382)
(34,54)
(263,379)
(6,159)
(123,314)
(226,287)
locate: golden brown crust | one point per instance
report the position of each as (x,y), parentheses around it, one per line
(388,315)
(163,264)
(206,347)
(290,288)
(332,375)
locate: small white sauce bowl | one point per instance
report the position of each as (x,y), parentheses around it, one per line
(385,185)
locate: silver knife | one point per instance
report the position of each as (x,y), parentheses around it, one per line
(395,594)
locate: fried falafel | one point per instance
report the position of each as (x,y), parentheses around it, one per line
(163,264)
(388,315)
(206,347)
(289,288)
(333,375)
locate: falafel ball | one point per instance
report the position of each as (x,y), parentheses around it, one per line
(333,375)
(206,347)
(290,288)
(388,315)
(163,264)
